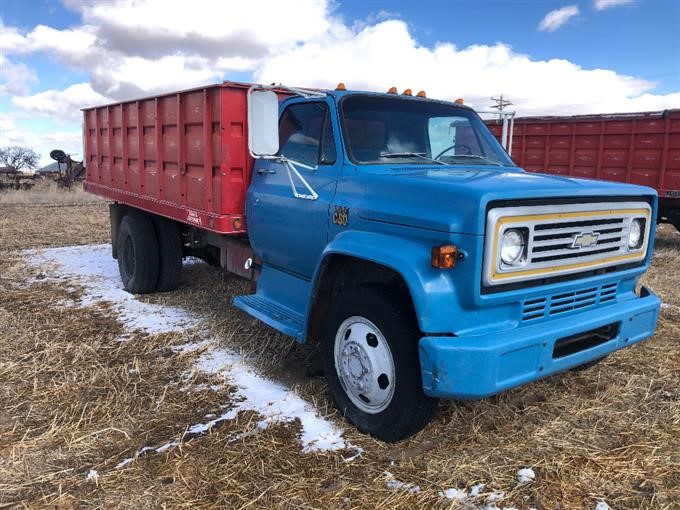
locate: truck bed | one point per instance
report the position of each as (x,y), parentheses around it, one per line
(637,148)
(182,155)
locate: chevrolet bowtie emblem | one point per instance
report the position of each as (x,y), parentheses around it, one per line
(585,240)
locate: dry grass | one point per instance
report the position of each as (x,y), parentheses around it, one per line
(47,192)
(73,399)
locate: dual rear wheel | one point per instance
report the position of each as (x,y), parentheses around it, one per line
(149,252)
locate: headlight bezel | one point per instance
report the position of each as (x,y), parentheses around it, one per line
(642,222)
(521,258)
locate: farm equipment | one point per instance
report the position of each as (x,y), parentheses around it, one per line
(70,171)
(391,228)
(637,148)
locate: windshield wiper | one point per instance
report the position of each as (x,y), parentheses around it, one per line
(477,156)
(420,155)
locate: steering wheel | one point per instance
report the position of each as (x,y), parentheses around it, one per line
(455,146)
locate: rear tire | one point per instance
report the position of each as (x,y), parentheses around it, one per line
(137,248)
(169,254)
(370,357)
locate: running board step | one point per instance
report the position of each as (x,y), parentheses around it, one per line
(273,314)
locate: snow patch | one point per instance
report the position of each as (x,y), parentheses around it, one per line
(525,475)
(456,494)
(274,401)
(601,505)
(92,475)
(93,267)
(394,484)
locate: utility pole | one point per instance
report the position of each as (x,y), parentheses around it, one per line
(501,103)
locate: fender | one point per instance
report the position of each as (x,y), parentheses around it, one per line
(432,290)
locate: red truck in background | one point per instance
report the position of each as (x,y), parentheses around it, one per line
(636,148)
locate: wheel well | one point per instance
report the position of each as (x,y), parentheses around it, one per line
(339,272)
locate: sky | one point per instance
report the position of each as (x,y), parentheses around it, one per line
(548,57)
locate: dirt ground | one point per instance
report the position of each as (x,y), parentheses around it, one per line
(73,398)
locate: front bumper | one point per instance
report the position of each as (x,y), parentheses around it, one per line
(473,367)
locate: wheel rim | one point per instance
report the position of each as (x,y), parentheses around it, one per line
(129,257)
(364,364)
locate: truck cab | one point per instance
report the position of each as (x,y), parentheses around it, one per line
(397,232)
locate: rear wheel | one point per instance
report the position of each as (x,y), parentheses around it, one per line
(169,254)
(370,356)
(137,249)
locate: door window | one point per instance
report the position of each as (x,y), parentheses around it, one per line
(305,134)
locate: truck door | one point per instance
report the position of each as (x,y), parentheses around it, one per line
(286,232)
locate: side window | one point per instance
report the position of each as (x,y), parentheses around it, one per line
(305,134)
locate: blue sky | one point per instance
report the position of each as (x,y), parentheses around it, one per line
(452,48)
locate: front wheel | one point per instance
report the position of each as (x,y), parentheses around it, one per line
(370,356)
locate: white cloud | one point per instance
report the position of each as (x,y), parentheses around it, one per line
(131,49)
(385,55)
(601,5)
(555,19)
(61,104)
(13,131)
(15,78)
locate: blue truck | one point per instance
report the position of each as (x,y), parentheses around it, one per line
(392,229)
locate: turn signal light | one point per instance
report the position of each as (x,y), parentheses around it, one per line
(393,90)
(340,86)
(444,257)
(407,92)
(421,94)
(237,223)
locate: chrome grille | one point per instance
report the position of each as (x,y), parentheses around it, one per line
(564,239)
(588,297)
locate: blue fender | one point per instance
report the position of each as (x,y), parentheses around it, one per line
(431,289)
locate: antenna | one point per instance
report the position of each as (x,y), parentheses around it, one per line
(501,103)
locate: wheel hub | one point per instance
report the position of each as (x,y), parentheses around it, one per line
(364,364)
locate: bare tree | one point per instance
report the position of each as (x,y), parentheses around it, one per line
(18,158)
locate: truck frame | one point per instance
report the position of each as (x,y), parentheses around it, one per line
(392,229)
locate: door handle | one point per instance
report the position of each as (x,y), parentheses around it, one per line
(266,171)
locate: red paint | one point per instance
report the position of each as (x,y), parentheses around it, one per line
(638,148)
(182,155)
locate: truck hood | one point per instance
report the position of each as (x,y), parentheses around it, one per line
(454,199)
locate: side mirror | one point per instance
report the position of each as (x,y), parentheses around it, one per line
(263,123)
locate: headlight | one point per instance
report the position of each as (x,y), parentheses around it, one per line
(635,234)
(512,247)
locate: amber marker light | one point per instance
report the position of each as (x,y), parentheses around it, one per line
(237,223)
(421,94)
(444,257)
(459,101)
(393,90)
(340,86)
(407,92)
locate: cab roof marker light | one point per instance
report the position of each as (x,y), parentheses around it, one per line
(421,94)
(459,101)
(407,92)
(340,86)
(393,90)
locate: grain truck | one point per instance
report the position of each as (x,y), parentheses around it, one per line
(390,228)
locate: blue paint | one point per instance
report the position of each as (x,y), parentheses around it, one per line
(475,344)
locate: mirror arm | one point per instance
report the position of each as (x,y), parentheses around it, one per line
(291,169)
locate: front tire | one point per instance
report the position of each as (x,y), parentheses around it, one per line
(137,248)
(370,357)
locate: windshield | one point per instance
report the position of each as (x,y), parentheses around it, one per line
(381,130)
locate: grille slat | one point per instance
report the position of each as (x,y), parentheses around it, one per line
(570,239)
(556,304)
(576,227)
